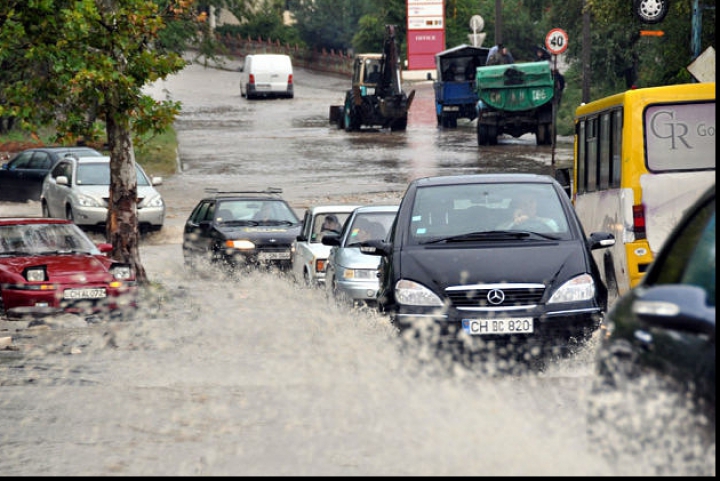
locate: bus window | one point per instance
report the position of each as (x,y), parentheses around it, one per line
(592,155)
(604,152)
(581,157)
(616,152)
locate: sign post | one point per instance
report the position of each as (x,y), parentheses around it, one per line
(556,41)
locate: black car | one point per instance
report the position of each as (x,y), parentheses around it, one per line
(21,178)
(491,263)
(242,229)
(655,372)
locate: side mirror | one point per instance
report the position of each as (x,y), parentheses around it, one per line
(678,307)
(601,240)
(301,238)
(331,239)
(61,180)
(376,247)
(156,180)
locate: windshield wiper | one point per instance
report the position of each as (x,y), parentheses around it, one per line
(483,235)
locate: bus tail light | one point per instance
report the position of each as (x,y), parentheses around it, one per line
(638,211)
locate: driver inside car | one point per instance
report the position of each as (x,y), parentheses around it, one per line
(525,216)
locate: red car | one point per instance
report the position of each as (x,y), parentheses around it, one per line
(50,266)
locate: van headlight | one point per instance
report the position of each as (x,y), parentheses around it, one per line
(413,294)
(580,288)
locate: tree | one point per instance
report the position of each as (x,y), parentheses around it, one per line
(95,56)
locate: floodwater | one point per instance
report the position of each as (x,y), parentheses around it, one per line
(255,375)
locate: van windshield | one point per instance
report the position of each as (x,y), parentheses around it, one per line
(443,212)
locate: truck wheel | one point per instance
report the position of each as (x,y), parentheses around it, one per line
(541,134)
(492,135)
(482,134)
(349,120)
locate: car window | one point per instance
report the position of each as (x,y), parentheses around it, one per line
(63,168)
(689,257)
(40,161)
(202,212)
(441,211)
(369,226)
(21,161)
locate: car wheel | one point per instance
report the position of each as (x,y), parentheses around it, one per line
(307,278)
(651,11)
(69,214)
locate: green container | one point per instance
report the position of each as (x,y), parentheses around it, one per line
(515,87)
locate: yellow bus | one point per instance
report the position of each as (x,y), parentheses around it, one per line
(641,157)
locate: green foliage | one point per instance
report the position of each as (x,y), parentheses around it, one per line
(328,24)
(265,23)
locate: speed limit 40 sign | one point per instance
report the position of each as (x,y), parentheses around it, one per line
(556,41)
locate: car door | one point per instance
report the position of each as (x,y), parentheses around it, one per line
(12,177)
(31,185)
(301,255)
(54,194)
(197,240)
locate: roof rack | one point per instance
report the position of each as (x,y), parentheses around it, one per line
(268,191)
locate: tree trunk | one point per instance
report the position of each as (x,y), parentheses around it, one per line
(122,222)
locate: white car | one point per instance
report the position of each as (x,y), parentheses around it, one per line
(309,254)
(78,189)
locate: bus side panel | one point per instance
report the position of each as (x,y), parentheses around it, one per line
(603,212)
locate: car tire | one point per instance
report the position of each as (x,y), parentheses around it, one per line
(651,11)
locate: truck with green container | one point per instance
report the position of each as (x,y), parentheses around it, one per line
(515,99)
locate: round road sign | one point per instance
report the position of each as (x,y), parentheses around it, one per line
(556,41)
(477,23)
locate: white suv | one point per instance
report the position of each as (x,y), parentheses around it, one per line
(78,189)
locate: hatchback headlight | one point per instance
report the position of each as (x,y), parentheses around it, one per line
(413,294)
(580,288)
(121,272)
(359,274)
(36,274)
(242,244)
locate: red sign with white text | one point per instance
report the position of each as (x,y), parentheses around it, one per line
(425,32)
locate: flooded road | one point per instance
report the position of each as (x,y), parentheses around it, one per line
(255,375)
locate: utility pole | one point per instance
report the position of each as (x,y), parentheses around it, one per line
(586,53)
(498,22)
